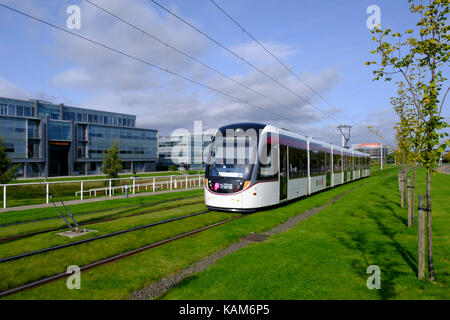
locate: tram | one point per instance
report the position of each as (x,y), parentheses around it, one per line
(252,166)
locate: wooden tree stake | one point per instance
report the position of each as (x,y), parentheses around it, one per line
(421,229)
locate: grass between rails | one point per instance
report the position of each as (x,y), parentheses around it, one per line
(118,280)
(113,204)
(35,267)
(44,225)
(50,239)
(326,256)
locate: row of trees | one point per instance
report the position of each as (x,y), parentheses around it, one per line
(415,60)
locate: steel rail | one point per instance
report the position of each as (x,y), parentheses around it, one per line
(110,259)
(62,246)
(26,235)
(89,212)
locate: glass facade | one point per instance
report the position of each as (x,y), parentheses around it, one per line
(190,150)
(58,130)
(12,131)
(133,143)
(48,111)
(40,136)
(17,108)
(98,117)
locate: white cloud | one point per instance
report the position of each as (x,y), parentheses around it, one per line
(12,90)
(253,52)
(72,78)
(116,83)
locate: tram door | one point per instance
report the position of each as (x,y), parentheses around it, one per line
(283,172)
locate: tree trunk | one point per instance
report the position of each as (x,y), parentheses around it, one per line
(413,189)
(430,241)
(409,202)
(421,244)
(402,187)
(405,189)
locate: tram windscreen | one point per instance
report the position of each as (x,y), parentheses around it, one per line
(232,157)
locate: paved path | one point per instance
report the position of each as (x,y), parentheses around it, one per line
(445,169)
(72,202)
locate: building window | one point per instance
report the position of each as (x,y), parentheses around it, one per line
(3,108)
(11,110)
(27,112)
(33,149)
(19,110)
(59,130)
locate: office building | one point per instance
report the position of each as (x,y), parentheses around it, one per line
(49,139)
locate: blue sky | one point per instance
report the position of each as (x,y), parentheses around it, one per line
(325,42)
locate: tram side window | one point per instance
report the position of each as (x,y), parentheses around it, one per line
(298,163)
(337,163)
(268,167)
(347,163)
(328,162)
(317,161)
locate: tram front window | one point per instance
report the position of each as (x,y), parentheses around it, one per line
(230,164)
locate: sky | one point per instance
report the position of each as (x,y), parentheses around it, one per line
(325,42)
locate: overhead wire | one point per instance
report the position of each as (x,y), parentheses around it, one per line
(141,61)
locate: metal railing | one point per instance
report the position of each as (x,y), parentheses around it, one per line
(32,193)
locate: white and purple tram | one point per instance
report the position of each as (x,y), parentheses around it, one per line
(251,166)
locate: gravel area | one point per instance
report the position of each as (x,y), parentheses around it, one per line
(160,287)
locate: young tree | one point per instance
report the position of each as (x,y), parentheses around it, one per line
(111,161)
(417,62)
(7,173)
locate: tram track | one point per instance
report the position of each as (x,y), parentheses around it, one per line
(120,256)
(94,221)
(112,234)
(91,212)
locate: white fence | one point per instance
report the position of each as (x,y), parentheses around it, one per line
(133,184)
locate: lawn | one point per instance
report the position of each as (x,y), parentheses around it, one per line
(35,267)
(95,207)
(120,279)
(327,255)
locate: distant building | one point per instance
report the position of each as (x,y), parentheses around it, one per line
(49,139)
(373,149)
(189,150)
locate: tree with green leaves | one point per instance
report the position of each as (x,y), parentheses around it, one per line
(112,164)
(7,172)
(416,60)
